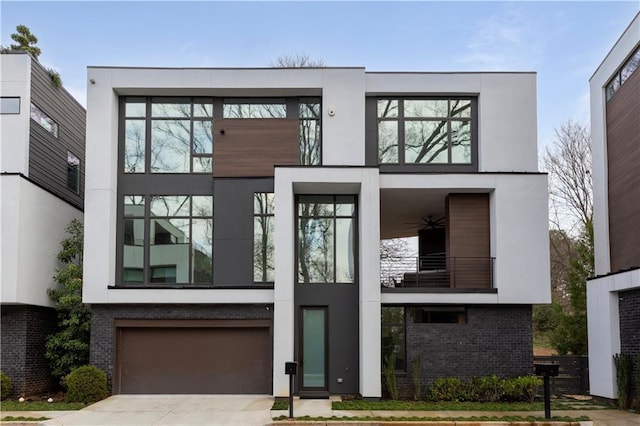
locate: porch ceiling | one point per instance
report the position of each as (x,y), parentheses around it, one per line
(402,210)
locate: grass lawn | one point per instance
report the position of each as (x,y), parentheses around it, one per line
(40,406)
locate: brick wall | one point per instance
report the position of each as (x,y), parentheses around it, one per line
(103,329)
(629,305)
(24,329)
(495,340)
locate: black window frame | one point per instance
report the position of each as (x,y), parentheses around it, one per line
(334,217)
(401,362)
(266,214)
(78,172)
(401,166)
(3,112)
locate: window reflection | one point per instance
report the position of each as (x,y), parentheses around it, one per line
(424,131)
(326,235)
(254,110)
(263,232)
(170,146)
(177,235)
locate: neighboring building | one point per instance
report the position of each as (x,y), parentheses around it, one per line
(613,297)
(42,181)
(234,218)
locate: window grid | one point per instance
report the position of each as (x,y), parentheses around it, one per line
(143,217)
(393,123)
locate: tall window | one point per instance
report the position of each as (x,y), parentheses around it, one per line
(168,239)
(168,135)
(309,136)
(425,131)
(73,172)
(393,336)
(263,214)
(326,248)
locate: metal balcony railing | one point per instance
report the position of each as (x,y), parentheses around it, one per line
(437,271)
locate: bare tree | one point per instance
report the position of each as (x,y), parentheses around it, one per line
(299,60)
(568,163)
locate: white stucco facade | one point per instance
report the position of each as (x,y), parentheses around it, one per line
(33,220)
(603,292)
(507,170)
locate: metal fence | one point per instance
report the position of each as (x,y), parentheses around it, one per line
(573,374)
(437,271)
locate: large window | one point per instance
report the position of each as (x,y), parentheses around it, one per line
(167,239)
(263,215)
(168,135)
(175,135)
(393,336)
(425,131)
(326,251)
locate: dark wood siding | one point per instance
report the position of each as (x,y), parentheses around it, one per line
(623,157)
(48,154)
(468,239)
(191,358)
(251,147)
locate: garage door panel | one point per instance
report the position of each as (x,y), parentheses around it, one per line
(194,360)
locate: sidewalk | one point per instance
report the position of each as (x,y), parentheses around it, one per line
(205,410)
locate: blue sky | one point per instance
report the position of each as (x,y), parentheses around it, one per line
(563,42)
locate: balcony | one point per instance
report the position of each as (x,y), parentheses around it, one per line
(437,271)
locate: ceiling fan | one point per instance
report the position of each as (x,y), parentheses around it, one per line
(430,223)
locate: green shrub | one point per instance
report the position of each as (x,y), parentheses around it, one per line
(623,379)
(521,389)
(389,371)
(449,389)
(487,389)
(5,386)
(86,384)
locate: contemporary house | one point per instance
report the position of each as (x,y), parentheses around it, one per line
(234,218)
(613,296)
(42,181)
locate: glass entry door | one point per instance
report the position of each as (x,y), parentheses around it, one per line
(314,349)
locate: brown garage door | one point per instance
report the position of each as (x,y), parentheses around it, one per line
(184,359)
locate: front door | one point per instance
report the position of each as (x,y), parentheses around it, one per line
(313,377)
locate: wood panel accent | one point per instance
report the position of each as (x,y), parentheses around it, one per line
(468,236)
(623,158)
(193,360)
(251,147)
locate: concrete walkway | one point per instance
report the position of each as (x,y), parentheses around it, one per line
(201,410)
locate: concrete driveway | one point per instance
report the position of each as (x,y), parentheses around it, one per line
(187,410)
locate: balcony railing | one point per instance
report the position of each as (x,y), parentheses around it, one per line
(437,271)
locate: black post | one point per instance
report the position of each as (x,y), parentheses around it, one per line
(547,398)
(291,369)
(290,396)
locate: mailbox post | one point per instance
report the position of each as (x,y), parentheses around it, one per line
(546,371)
(290,369)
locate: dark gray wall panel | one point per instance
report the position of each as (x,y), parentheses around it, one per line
(343,328)
(48,154)
(233,229)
